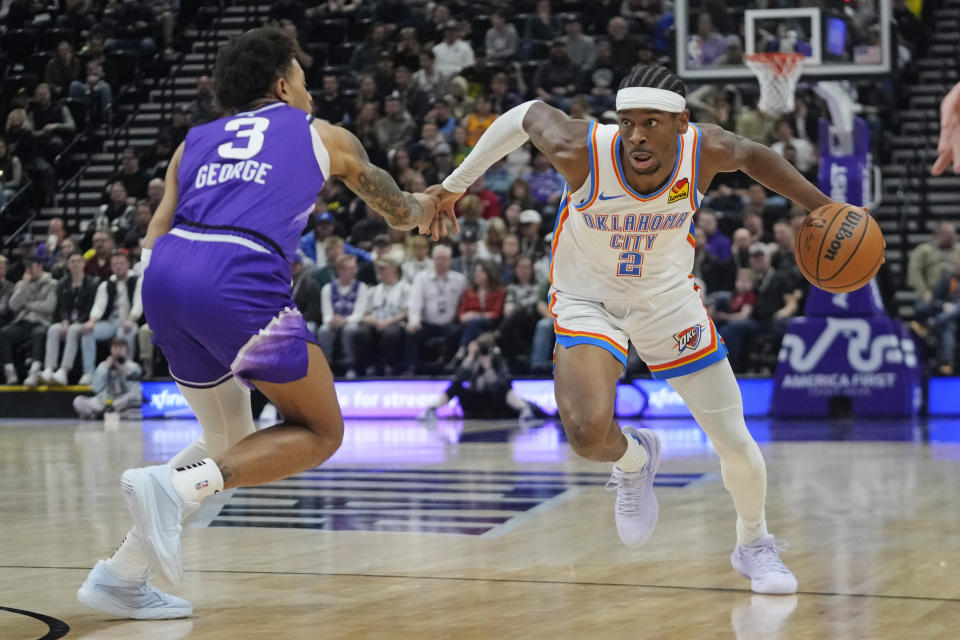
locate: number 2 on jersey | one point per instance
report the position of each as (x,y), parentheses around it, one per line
(254,136)
(631,264)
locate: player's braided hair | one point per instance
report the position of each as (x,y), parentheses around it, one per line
(654,76)
(249,64)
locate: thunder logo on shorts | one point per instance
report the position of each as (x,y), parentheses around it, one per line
(688,338)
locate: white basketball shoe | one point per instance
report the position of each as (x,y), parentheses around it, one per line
(760,562)
(637,510)
(157,511)
(136,599)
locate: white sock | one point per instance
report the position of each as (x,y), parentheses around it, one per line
(750,532)
(634,458)
(196,481)
(128,561)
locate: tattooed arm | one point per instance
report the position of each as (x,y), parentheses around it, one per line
(350,163)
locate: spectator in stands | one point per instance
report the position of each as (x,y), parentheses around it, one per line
(307,294)
(707,45)
(453,54)
(116,215)
(178,127)
(478,121)
(927,264)
(384,319)
(32,302)
(142,214)
(491,246)
(115,384)
(396,128)
(467,261)
(740,249)
(580,109)
(497,180)
(755,125)
(344,302)
(710,271)
(459,100)
(58,263)
(542,25)
(421,151)
(116,311)
(718,244)
(6,290)
(546,183)
(49,249)
(434,302)
(502,98)
(75,295)
(132,27)
(783,257)
(51,122)
(363,232)
(432,29)
(509,255)
(419,260)
(778,299)
(383,74)
(76,16)
(623,45)
(407,51)
(740,305)
(62,70)
(11,173)
(943,318)
(601,80)
(443,164)
(333,249)
(428,78)
(154,193)
(490,203)
(481,305)
(520,314)
(482,383)
(157,157)
(304,58)
(202,108)
(442,116)
(134,178)
(364,58)
(581,50)
(400,167)
(381,248)
(364,126)
(753,223)
(416,102)
(313,243)
(332,105)
(805,153)
(557,79)
(501,39)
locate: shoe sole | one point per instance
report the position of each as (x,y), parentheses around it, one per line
(140,502)
(90,597)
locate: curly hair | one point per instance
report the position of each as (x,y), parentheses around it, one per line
(249,64)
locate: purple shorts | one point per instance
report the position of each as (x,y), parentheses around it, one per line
(220,305)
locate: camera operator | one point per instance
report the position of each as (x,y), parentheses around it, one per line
(115,383)
(482,382)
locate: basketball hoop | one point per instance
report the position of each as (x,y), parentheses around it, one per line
(777,74)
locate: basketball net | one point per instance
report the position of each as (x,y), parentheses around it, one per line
(777,74)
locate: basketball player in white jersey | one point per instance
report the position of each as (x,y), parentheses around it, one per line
(622,256)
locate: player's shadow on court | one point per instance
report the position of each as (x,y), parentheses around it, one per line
(762,617)
(141,630)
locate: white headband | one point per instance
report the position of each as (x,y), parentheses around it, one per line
(648,98)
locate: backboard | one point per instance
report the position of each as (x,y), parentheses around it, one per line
(840,39)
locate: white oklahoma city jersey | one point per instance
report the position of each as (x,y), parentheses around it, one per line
(613,244)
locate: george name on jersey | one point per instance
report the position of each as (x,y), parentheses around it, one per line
(219,173)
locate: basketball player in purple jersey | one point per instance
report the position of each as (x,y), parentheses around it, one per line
(622,256)
(217,294)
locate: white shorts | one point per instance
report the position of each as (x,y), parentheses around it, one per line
(671,331)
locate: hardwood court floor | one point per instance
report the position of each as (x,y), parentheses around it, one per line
(486,530)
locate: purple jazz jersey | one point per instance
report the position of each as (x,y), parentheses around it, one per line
(217,292)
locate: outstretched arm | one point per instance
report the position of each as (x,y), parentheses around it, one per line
(350,163)
(561,138)
(724,152)
(948,148)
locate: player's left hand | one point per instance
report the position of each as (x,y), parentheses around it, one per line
(430,211)
(447,200)
(948,147)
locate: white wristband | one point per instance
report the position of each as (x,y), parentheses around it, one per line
(503,136)
(145,258)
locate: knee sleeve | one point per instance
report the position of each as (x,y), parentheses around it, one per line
(225,419)
(713,397)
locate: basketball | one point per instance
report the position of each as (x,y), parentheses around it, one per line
(839,247)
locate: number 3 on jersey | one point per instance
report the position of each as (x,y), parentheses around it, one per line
(631,264)
(254,137)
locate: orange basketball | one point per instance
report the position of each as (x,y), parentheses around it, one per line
(839,247)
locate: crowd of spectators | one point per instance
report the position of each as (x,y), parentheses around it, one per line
(418,84)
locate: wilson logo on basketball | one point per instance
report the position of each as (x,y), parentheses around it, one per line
(679,191)
(850,222)
(688,338)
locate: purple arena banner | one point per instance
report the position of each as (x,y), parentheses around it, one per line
(408,398)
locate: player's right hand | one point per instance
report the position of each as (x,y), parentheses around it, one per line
(430,211)
(447,200)
(948,147)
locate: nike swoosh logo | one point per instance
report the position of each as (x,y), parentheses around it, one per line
(603,197)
